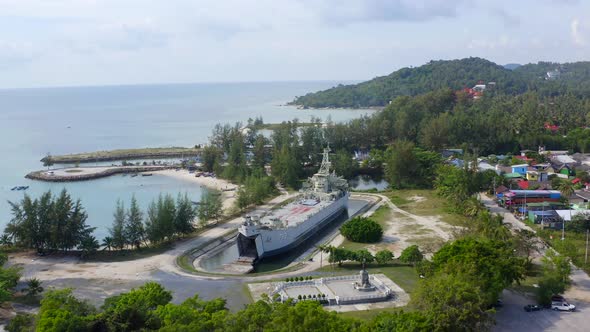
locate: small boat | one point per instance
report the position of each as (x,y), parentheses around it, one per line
(196,203)
(146,174)
(133,175)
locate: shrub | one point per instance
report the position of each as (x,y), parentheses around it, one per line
(362,230)
(411,255)
(299,297)
(384,256)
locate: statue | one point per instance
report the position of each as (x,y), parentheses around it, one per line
(365,284)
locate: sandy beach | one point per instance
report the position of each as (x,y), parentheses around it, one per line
(229,197)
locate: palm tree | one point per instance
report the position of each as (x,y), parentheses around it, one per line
(472,207)
(33,287)
(567,190)
(108,243)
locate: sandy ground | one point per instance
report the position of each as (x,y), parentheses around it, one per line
(405,229)
(229,197)
(56,267)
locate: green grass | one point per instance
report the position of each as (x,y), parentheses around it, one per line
(382,215)
(403,275)
(532,278)
(431,205)
(369,314)
(574,245)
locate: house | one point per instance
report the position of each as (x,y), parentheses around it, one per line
(513,176)
(520,169)
(564,159)
(568,215)
(532,175)
(446,153)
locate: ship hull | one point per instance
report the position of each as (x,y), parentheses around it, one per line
(275,242)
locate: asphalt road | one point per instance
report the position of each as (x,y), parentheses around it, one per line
(512,317)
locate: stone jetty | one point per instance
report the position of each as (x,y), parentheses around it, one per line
(89,173)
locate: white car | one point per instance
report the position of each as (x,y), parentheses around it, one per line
(562,306)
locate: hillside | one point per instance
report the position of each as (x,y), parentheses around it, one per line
(454,74)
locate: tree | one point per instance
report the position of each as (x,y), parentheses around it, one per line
(185,215)
(556,277)
(88,245)
(133,229)
(33,287)
(363,256)
(384,256)
(133,310)
(259,152)
(210,207)
(48,161)
(210,157)
(117,230)
(567,190)
(400,321)
(360,229)
(411,255)
(107,243)
(401,164)
(344,164)
(61,311)
(452,303)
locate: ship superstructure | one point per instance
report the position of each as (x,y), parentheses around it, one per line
(323,197)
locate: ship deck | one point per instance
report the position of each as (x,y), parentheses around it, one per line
(293,213)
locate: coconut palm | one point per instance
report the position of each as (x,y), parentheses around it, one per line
(34,287)
(108,243)
(472,207)
(567,190)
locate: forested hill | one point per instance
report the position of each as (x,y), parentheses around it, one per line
(454,74)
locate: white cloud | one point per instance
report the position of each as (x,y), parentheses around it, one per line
(577,34)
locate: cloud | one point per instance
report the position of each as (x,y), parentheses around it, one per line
(16,53)
(342,12)
(577,34)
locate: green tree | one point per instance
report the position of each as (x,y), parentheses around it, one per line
(210,207)
(384,256)
(452,303)
(400,321)
(48,161)
(360,229)
(132,311)
(259,152)
(33,287)
(344,164)
(210,157)
(185,215)
(88,245)
(117,230)
(411,255)
(401,164)
(61,311)
(133,228)
(108,243)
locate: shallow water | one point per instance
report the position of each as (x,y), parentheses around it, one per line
(34,122)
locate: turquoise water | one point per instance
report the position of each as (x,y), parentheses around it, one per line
(34,122)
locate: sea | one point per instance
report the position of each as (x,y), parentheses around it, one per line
(35,122)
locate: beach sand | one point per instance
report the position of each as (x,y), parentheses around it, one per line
(229,197)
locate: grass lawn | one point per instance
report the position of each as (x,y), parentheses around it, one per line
(574,245)
(532,278)
(430,205)
(403,275)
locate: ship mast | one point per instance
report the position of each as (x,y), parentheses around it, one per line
(325,167)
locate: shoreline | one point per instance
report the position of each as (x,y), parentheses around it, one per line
(228,197)
(72,174)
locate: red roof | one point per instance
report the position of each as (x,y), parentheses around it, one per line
(523,184)
(576,180)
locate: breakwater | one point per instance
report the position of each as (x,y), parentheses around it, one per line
(89,173)
(123,154)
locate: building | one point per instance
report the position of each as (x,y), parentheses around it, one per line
(520,169)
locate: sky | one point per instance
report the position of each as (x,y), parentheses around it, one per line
(103,42)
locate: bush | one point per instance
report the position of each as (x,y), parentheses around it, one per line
(384,256)
(411,255)
(362,230)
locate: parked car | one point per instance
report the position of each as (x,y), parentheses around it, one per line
(532,307)
(562,306)
(558,298)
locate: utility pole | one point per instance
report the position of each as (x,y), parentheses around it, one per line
(586,258)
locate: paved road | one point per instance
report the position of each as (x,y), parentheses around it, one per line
(512,317)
